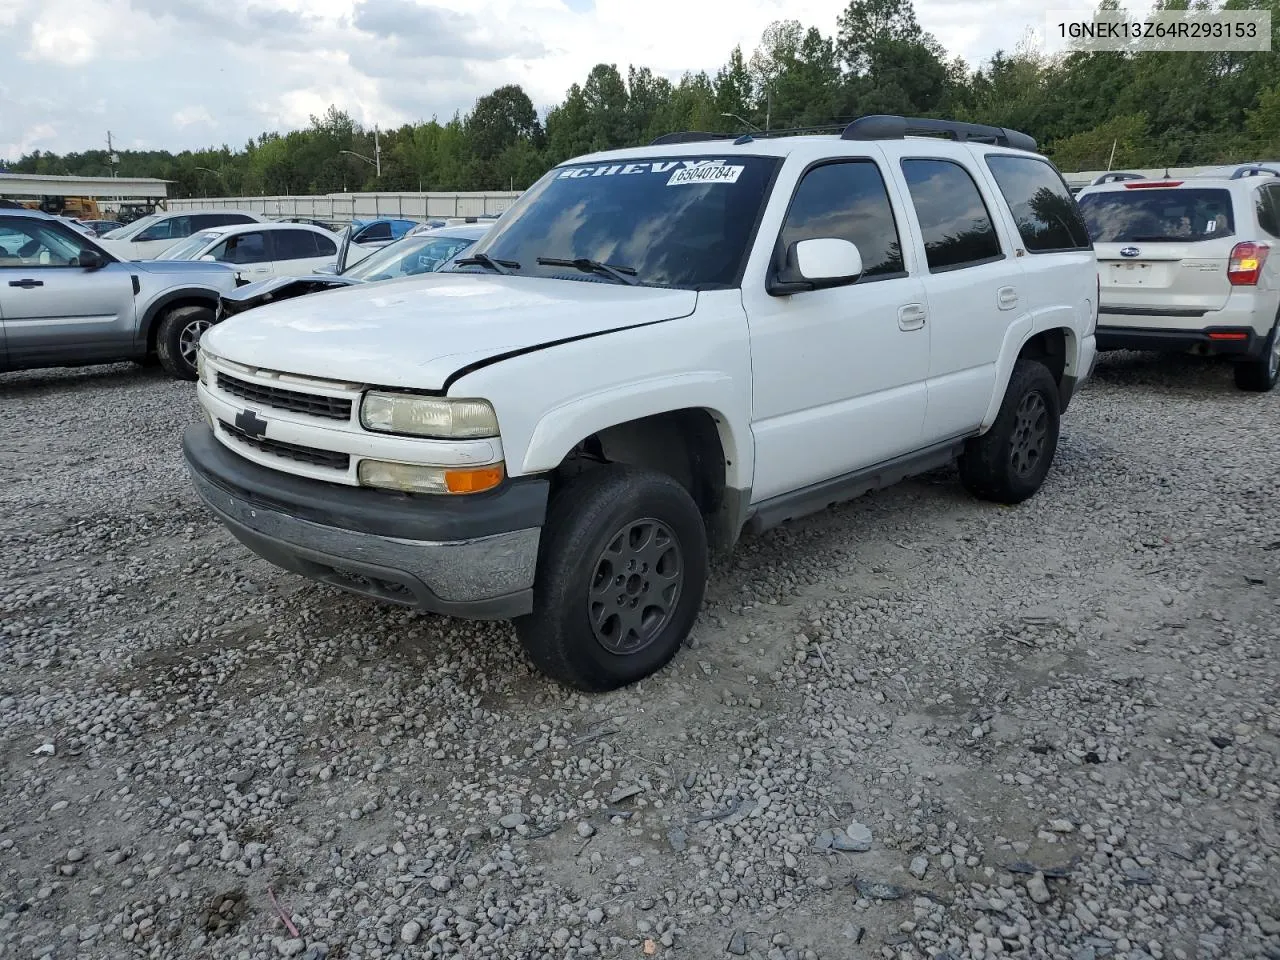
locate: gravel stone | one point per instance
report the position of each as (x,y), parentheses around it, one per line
(1061,719)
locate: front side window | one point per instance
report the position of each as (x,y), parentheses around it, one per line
(954,219)
(1047,216)
(33,243)
(408,257)
(848,201)
(684,222)
(242,248)
(1155,214)
(374,233)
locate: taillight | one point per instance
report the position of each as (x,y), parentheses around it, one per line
(1245,266)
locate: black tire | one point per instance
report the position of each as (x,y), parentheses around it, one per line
(1009,462)
(567,633)
(174,339)
(1259,376)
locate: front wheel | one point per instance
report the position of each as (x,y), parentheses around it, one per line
(178,339)
(621,574)
(1009,462)
(1259,376)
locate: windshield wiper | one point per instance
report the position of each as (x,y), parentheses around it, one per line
(586,265)
(484,260)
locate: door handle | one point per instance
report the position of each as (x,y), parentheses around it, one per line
(26,284)
(911,316)
(1006,298)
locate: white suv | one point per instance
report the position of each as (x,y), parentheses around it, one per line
(652,351)
(1185,266)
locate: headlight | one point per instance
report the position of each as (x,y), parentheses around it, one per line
(412,478)
(201,372)
(438,417)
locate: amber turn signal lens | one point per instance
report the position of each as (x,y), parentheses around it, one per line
(475,480)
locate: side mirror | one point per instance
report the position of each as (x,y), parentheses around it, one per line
(92,259)
(816,264)
(209,258)
(826,261)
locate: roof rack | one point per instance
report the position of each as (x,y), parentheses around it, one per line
(1254,170)
(878,127)
(886,127)
(1115,177)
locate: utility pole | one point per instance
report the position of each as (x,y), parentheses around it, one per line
(377,154)
(112,157)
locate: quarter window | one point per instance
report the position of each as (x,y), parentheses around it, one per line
(847,200)
(1268,205)
(955,222)
(1047,215)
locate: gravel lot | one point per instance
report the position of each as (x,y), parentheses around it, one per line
(916,726)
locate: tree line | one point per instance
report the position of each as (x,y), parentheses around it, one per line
(1087,110)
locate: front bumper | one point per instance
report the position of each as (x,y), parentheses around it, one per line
(473,556)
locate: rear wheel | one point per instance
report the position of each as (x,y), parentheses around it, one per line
(621,575)
(1009,462)
(1260,375)
(178,339)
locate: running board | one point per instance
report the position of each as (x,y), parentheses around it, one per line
(814,499)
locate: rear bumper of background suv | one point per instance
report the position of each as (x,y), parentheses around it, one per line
(472,556)
(1239,329)
(1213,341)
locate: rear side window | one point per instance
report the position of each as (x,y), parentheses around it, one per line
(1154,214)
(294,244)
(229,218)
(847,201)
(953,217)
(1047,216)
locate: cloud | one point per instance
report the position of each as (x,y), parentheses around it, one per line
(178,73)
(193,116)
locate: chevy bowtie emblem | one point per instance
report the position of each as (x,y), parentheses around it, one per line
(1128,251)
(250,424)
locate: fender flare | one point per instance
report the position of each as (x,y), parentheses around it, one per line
(1017,337)
(157,306)
(561,428)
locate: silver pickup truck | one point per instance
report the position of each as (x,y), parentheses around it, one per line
(65,301)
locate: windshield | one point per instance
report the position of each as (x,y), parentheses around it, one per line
(129,229)
(686,222)
(187,249)
(1184,215)
(407,257)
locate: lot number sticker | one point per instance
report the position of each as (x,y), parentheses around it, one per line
(712,171)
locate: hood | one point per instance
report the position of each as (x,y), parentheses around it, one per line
(280,288)
(185,267)
(415,331)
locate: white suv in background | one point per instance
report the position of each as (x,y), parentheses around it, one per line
(147,238)
(654,350)
(1185,265)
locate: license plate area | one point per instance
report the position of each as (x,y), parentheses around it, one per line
(1131,274)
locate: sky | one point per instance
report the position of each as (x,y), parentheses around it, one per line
(178,74)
